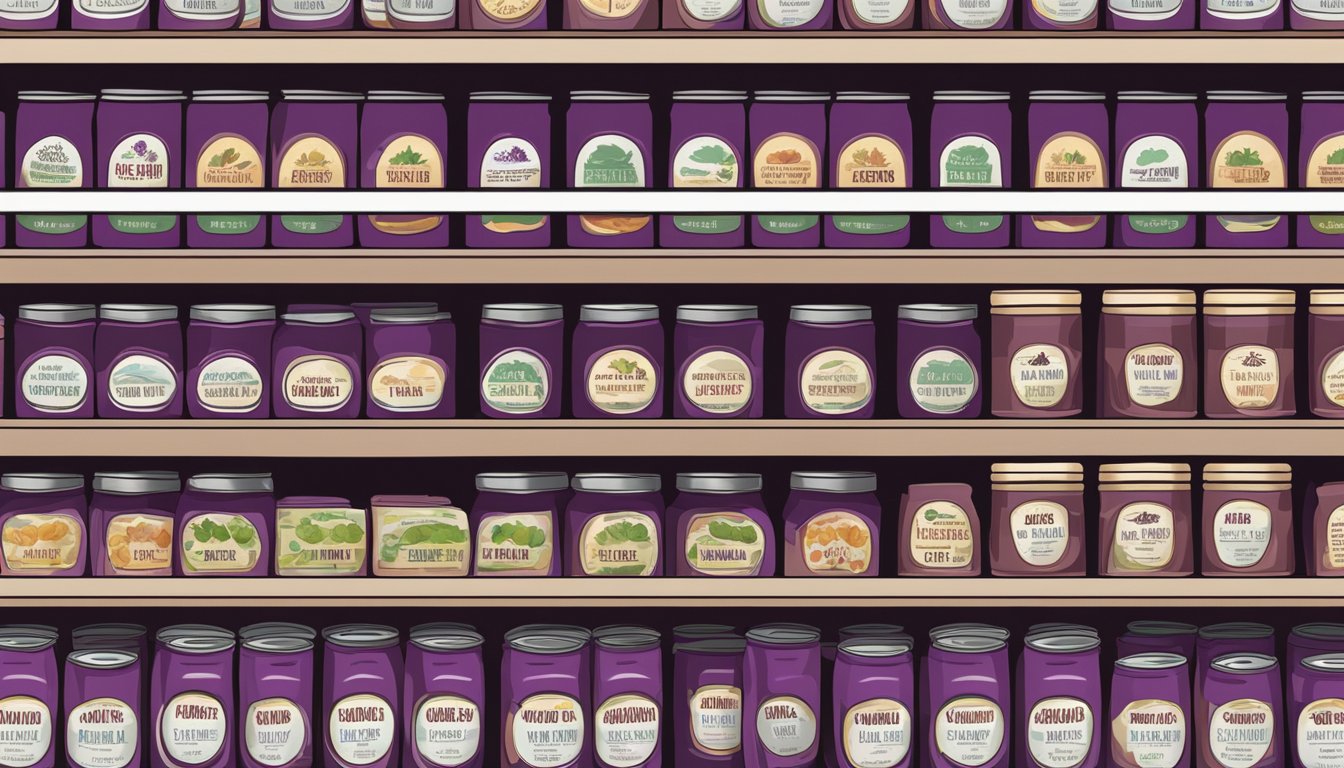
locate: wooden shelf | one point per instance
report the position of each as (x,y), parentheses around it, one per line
(370,438)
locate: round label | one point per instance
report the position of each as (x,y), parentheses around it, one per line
(547,730)
(421,11)
(1332,378)
(1250,376)
(230,161)
(55,383)
(716,719)
(706,161)
(622,381)
(42,542)
(101,733)
(192,728)
(619,544)
(139,161)
(1241,732)
(878,12)
(216,541)
(970,161)
(837,540)
(1040,375)
(361,729)
(711,10)
(1325,166)
(318,384)
(941,536)
(1153,161)
(516,381)
(409,161)
(1149,733)
(508,10)
(1145,537)
(141,382)
(787,160)
(724,544)
(109,9)
(447,730)
(876,733)
(625,730)
(310,160)
(943,381)
(52,161)
(1320,734)
(1334,539)
(275,732)
(408,384)
(309,10)
(26,10)
(973,14)
(1145,10)
(516,543)
(1245,159)
(718,381)
(137,541)
(1065,12)
(511,162)
(229,384)
(611,9)
(835,382)
(871,160)
(1040,532)
(609,160)
(27,731)
(1241,9)
(786,726)
(1068,160)
(1321,10)
(1241,532)
(789,13)
(1059,732)
(1154,374)
(969,731)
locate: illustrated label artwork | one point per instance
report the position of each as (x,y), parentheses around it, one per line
(142,382)
(140,161)
(229,384)
(42,542)
(1325,166)
(1149,733)
(1241,531)
(716,719)
(877,12)
(622,381)
(1154,162)
(876,733)
(969,731)
(786,161)
(1241,732)
(1040,532)
(871,162)
(55,383)
(507,11)
(52,162)
(612,9)
(711,10)
(311,162)
(973,14)
(1246,160)
(941,536)
(26,10)
(511,163)
(447,730)
(788,13)
(837,541)
(218,541)
(1059,732)
(318,383)
(139,541)
(1334,538)
(625,730)
(1250,376)
(1145,10)
(1068,160)
(836,382)
(706,162)
(193,727)
(619,544)
(229,161)
(1040,375)
(1154,374)
(973,162)
(1332,377)
(607,161)
(1320,733)
(29,737)
(515,543)
(786,726)
(718,381)
(275,732)
(99,733)
(546,731)
(1144,537)
(1065,12)
(942,381)
(517,381)
(414,539)
(724,544)
(408,384)
(361,729)
(320,540)
(409,161)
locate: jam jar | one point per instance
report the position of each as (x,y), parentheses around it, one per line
(709,133)
(1147,526)
(618,362)
(53,361)
(720,526)
(1248,353)
(229,361)
(614,524)
(831,523)
(43,524)
(1069,133)
(1036,338)
(719,353)
(1246,143)
(138,352)
(1156,144)
(830,361)
(1150,356)
(938,354)
(411,359)
(316,365)
(522,360)
(1248,520)
(1037,525)
(517,521)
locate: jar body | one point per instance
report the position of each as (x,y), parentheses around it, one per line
(315,371)
(103,712)
(600,388)
(831,534)
(1248,532)
(939,370)
(328,14)
(53,149)
(1150,366)
(1155,127)
(707,722)
(628,127)
(92,15)
(720,534)
(1325,348)
(971,17)
(300,128)
(706,154)
(1248,366)
(940,531)
(1320,136)
(782,695)
(248,519)
(45,534)
(719,370)
(1233,128)
(780,131)
(361,687)
(226,149)
(782,17)
(53,376)
(192,695)
(139,147)
(627,707)
(1150,717)
(871,722)
(1145,532)
(967,688)
(1037,532)
(497,517)
(1324,545)
(399,555)
(858,129)
(522,369)
(443,703)
(1059,710)
(1059,130)
(636,549)
(139,369)
(635,14)
(1037,365)
(704,14)
(830,370)
(132,535)
(275,701)
(1313,705)
(971,149)
(510,146)
(229,369)
(532,683)
(392,135)
(1250,702)
(412,369)
(1171,15)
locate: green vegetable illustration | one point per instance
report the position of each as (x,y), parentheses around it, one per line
(610,156)
(624,366)
(830,365)
(1150,156)
(622,532)
(407,156)
(725,531)
(693,172)
(1069,158)
(521,535)
(714,154)
(1240,158)
(238,530)
(970,154)
(424,533)
(1336,157)
(930,514)
(621,570)
(227,158)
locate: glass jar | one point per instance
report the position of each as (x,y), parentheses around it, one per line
(1156,137)
(1244,696)
(1319,140)
(1037,526)
(627,698)
(941,531)
(102,700)
(719,350)
(874,696)
(404,137)
(138,353)
(722,528)
(229,361)
(614,523)
(1148,337)
(830,362)
(1036,337)
(522,360)
(139,147)
(320,536)
(781,696)
(1324,535)
(1172,637)
(1248,353)
(1217,640)
(545,689)
(1069,133)
(870,142)
(618,362)
(443,697)
(1325,350)
(1315,689)
(224,524)
(403,554)
(938,355)
(508,147)
(226,149)
(1059,711)
(1246,141)
(31,693)
(1312,639)
(971,148)
(131,523)
(1150,717)
(608,135)
(1146,520)
(314,137)
(53,356)
(831,524)
(42,519)
(362,675)
(517,521)
(53,149)
(316,365)
(412,361)
(191,697)
(275,698)
(1248,520)
(967,683)
(707,720)
(708,134)
(788,140)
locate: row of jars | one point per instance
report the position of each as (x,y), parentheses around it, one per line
(780,140)
(605,524)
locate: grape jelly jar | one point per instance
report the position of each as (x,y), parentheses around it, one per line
(609,138)
(1249,353)
(1037,523)
(720,526)
(1036,339)
(1150,718)
(138,353)
(516,517)
(509,147)
(1246,143)
(412,362)
(938,359)
(32,682)
(275,690)
(314,136)
(139,147)
(830,362)
(522,360)
(316,366)
(362,677)
(403,138)
(788,140)
(781,707)
(443,698)
(831,524)
(1325,353)
(229,361)
(1156,148)
(53,149)
(42,524)
(1150,357)
(1147,526)
(53,361)
(103,708)
(617,365)
(718,350)
(971,134)
(870,141)
(226,149)
(224,525)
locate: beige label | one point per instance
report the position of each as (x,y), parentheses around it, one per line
(1320,734)
(1241,533)
(318,384)
(1059,732)
(99,733)
(836,382)
(143,383)
(140,542)
(716,719)
(312,161)
(1040,532)
(408,384)
(55,383)
(547,730)
(409,161)
(787,160)
(622,381)
(229,384)
(53,161)
(42,542)
(876,733)
(318,541)
(1246,160)
(362,729)
(515,544)
(229,160)
(1144,537)
(1250,376)
(1066,12)
(786,726)
(447,730)
(430,541)
(1334,538)
(193,729)
(612,9)
(724,544)
(619,544)
(1040,375)
(1241,733)
(28,736)
(1332,377)
(220,543)
(718,382)
(871,161)
(837,540)
(140,161)
(1149,733)
(1069,160)
(275,731)
(625,730)
(969,731)
(1154,374)
(508,10)
(941,536)
(1325,166)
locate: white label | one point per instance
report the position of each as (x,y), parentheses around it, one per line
(515,544)
(1040,532)
(192,728)
(26,10)
(876,733)
(42,542)
(716,719)
(447,730)
(408,384)
(1333,546)
(511,162)
(879,12)
(548,730)
(619,544)
(835,382)
(1320,734)
(1332,378)
(1241,9)
(52,161)
(421,11)
(229,385)
(622,381)
(101,733)
(140,161)
(1250,376)
(1059,732)
(969,731)
(275,732)
(1040,375)
(1241,531)
(941,536)
(943,381)
(1145,537)
(55,383)
(1154,374)
(711,10)
(718,382)
(203,10)
(1144,10)
(786,726)
(1065,11)
(836,540)
(216,541)
(516,381)
(625,730)
(1241,732)
(318,384)
(1150,733)
(139,541)
(1321,10)
(706,162)
(789,13)
(724,544)
(1153,161)
(361,729)
(110,9)
(309,10)
(26,734)
(973,14)
(141,383)
(609,160)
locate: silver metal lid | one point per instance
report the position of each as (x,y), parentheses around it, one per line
(1160,628)
(717,313)
(971,96)
(1323,95)
(703,630)
(1245,663)
(830,313)
(522,482)
(875,647)
(398,307)
(446,636)
(107,631)
(870,96)
(57,313)
(628,638)
(1066,96)
(1152,661)
(232,482)
(277,643)
(1235,630)
(607,96)
(564,630)
(1061,641)
(400,317)
(137,313)
(403,96)
(361,635)
(1246,96)
(792,96)
(55,96)
(1155,96)
(598,482)
(199,644)
(871,630)
(969,628)
(191,630)
(27,638)
(937,313)
(139,94)
(102,659)
(136,483)
(232,314)
(311,95)
(834,482)
(1319,630)
(709,95)
(228,95)
(718,482)
(729,646)
(964,643)
(617,313)
(507,96)
(277,629)
(317,318)
(523,313)
(1330,663)
(546,644)
(41,482)
(1062,626)
(784,633)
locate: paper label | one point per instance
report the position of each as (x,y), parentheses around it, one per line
(1332,377)
(789,13)
(511,163)
(193,728)
(1040,532)
(515,543)
(1040,375)
(55,383)
(1320,734)
(432,540)
(1145,537)
(361,729)
(229,384)
(1250,376)
(1241,532)
(876,733)
(837,540)
(711,10)
(969,731)
(219,542)
(724,544)
(137,541)
(1068,160)
(26,10)
(943,381)
(625,730)
(786,726)
(1334,539)
(622,381)
(941,536)
(26,735)
(611,161)
(42,542)
(408,384)
(100,733)
(317,541)
(1154,374)
(142,383)
(447,730)
(836,382)
(1059,732)
(53,161)
(516,381)
(548,730)
(1149,733)
(718,381)
(1241,733)
(309,10)
(318,384)
(619,544)
(1247,159)
(716,719)
(275,732)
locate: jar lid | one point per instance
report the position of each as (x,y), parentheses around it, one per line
(717,313)
(1160,628)
(136,483)
(394,316)
(1236,630)
(834,482)
(1144,471)
(617,313)
(312,95)
(564,630)
(403,96)
(1253,297)
(870,96)
(607,96)
(1154,96)
(966,643)
(232,314)
(227,95)
(508,96)
(546,644)
(191,630)
(792,96)
(937,313)
(1255,473)
(57,313)
(630,638)
(27,638)
(826,314)
(1143,661)
(709,95)
(704,630)
(969,628)
(523,313)
(110,630)
(1327,297)
(195,638)
(232,482)
(1042,472)
(317,318)
(1246,96)
(277,629)
(277,644)
(446,636)
(611,482)
(522,482)
(1062,641)
(137,313)
(713,645)
(1245,663)
(139,94)
(1319,630)
(41,482)
(1330,663)
(1066,96)
(875,647)
(784,633)
(1323,95)
(102,659)
(1148,297)
(971,96)
(872,630)
(362,635)
(1036,298)
(398,307)
(55,96)
(1058,626)
(718,482)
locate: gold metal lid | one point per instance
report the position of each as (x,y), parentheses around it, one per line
(1144,472)
(1042,472)
(1250,297)
(1248,473)
(1149,297)
(1042,297)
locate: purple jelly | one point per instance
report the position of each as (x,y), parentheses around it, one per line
(317,15)
(627,698)
(516,517)
(708,133)
(313,139)
(139,147)
(719,526)
(971,148)
(275,699)
(131,523)
(53,361)
(1156,150)
(508,147)
(138,353)
(1320,138)
(224,525)
(870,143)
(781,16)
(110,15)
(1142,16)
(1242,707)
(229,361)
(781,696)
(43,521)
(1059,709)
(1069,133)
(522,360)
(614,525)
(873,695)
(191,698)
(317,365)
(1246,143)
(617,364)
(403,137)
(226,149)
(830,362)
(32,683)
(831,524)
(707,720)
(443,697)
(788,141)
(53,149)
(362,676)
(102,709)
(967,685)
(609,143)
(412,361)
(1157,637)
(545,690)
(719,352)
(1149,712)
(938,360)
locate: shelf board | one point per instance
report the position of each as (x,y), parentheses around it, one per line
(670,265)
(482,592)
(603,438)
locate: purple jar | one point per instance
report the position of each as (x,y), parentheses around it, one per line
(788,136)
(102,709)
(42,519)
(517,522)
(53,355)
(362,676)
(1059,700)
(1315,690)
(313,139)
(131,523)
(226,149)
(443,697)
(1069,133)
(316,366)
(719,353)
(870,141)
(53,149)
(544,698)
(199,15)
(1325,343)
(1149,354)
(1243,711)
(830,362)
(31,685)
(1156,150)
(781,16)
(139,360)
(412,359)
(1139,16)
(965,15)
(1246,141)
(614,525)
(275,699)
(110,15)
(627,698)
(721,527)
(874,701)
(1150,714)
(1173,637)
(1234,15)
(1314,639)
(1217,640)
(1036,342)
(1314,14)
(831,522)
(319,536)
(967,712)
(1249,353)
(707,721)
(971,148)
(1318,144)
(364,309)
(608,135)
(17,14)
(229,361)
(139,147)
(320,15)
(522,360)
(781,696)
(509,147)
(403,136)
(191,697)
(938,355)
(708,132)
(617,364)
(224,524)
